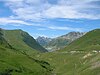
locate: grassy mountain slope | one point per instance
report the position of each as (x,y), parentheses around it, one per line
(73,63)
(3,42)
(13,62)
(90,41)
(21,40)
(17,62)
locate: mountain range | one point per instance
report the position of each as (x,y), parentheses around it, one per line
(20,54)
(52,44)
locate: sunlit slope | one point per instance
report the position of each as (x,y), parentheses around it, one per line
(73,63)
(13,62)
(21,40)
(89,42)
(18,62)
(3,42)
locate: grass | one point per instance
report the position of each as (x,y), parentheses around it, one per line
(15,63)
(72,64)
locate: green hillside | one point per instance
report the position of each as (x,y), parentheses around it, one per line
(87,63)
(14,61)
(3,42)
(21,40)
(89,42)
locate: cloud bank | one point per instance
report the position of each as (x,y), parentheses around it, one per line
(45,9)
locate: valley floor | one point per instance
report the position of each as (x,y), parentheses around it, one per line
(73,62)
(13,62)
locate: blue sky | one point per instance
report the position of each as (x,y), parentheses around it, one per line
(50,18)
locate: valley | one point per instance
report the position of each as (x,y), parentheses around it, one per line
(22,55)
(49,37)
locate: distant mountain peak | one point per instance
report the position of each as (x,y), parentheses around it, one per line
(43,40)
(59,42)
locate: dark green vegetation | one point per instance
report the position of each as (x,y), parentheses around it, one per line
(81,57)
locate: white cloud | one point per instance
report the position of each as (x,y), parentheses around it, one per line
(42,29)
(4,21)
(68,12)
(64,28)
(40,9)
(28,9)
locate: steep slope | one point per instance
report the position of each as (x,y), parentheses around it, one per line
(21,40)
(61,41)
(3,42)
(20,62)
(13,62)
(89,42)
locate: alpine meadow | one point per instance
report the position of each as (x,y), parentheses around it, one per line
(49,37)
